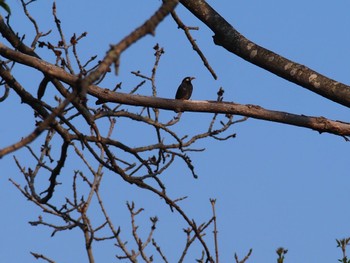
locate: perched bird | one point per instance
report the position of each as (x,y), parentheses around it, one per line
(185,89)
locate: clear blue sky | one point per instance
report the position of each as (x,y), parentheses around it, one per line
(275,185)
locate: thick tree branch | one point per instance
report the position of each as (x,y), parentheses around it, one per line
(10,36)
(229,38)
(319,124)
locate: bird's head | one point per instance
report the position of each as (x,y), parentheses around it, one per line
(188,79)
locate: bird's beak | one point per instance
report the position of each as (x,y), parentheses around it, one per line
(191,78)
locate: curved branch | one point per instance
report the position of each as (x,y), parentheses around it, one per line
(139,118)
(229,38)
(49,119)
(53,176)
(10,36)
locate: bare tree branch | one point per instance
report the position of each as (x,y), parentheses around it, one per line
(320,124)
(72,119)
(229,38)
(113,55)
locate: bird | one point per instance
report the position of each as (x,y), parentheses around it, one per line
(185,89)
